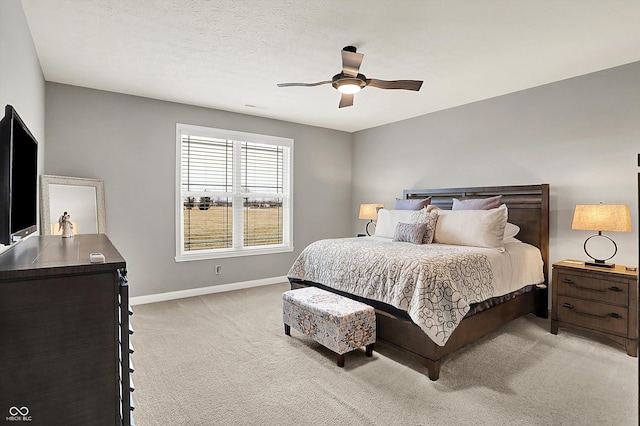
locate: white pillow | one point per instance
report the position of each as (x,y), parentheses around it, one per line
(511,230)
(388,220)
(477,228)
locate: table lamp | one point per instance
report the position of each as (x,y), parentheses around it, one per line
(601,217)
(369,211)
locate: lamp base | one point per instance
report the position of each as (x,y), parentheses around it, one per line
(367,227)
(600,264)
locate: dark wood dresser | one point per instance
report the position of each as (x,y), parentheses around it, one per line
(64,333)
(599,300)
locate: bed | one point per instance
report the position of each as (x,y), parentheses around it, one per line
(404,321)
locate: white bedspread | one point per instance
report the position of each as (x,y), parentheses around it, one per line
(433,283)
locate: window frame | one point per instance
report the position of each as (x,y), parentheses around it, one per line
(287,231)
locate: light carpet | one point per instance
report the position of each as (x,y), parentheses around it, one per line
(223,359)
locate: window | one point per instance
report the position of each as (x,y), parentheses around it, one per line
(233,193)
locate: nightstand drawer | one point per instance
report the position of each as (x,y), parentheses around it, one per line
(597,316)
(616,292)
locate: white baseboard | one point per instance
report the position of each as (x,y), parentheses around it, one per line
(171,295)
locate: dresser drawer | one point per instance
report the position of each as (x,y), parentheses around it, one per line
(616,292)
(593,315)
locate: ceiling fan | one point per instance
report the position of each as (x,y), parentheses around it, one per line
(349,81)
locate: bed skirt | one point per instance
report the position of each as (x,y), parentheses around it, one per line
(475,308)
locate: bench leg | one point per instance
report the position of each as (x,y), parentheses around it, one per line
(341,360)
(287,330)
(369,350)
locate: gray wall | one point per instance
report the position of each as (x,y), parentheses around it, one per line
(21,79)
(130,143)
(581,136)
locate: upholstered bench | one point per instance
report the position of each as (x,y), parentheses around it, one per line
(336,322)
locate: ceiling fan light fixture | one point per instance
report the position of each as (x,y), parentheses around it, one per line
(350,81)
(348,87)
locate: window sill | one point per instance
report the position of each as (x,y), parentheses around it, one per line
(219,254)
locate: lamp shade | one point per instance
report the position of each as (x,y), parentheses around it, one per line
(602,217)
(369,211)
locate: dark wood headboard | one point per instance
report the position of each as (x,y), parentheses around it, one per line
(528,207)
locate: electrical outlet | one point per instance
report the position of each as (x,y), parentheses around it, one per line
(218,269)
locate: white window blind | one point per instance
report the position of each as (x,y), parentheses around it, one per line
(234,193)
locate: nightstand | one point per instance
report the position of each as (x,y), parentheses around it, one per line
(599,300)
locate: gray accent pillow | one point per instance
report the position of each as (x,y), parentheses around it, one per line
(477,203)
(412,204)
(410,232)
(429,217)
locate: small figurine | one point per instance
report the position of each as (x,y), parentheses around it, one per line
(64,224)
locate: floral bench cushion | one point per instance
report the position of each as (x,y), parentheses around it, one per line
(334,321)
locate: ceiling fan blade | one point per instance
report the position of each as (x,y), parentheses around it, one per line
(345,100)
(304,84)
(351,61)
(395,84)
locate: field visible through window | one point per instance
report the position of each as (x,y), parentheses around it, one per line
(212,228)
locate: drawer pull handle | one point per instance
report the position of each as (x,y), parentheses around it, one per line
(597,290)
(570,306)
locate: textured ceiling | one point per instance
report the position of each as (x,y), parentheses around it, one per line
(229,54)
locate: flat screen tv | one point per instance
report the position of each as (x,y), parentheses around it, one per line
(18,178)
